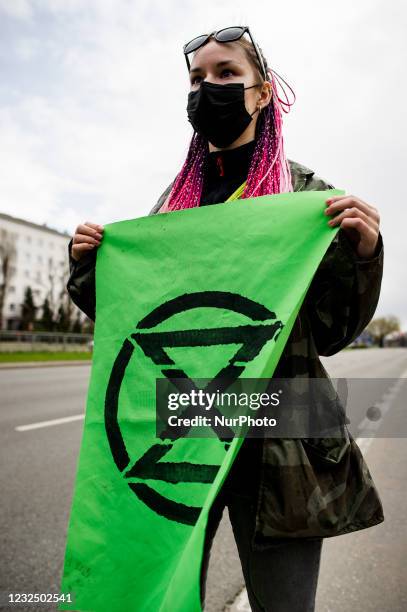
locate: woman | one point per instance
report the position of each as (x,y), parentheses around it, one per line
(283,495)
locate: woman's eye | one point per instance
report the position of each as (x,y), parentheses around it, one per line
(194,82)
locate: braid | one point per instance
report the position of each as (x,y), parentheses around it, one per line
(269,170)
(187,188)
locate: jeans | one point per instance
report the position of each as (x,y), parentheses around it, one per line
(281,578)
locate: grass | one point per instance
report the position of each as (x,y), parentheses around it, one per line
(43,356)
(60,356)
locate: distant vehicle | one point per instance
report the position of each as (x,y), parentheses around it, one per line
(396,338)
(365,340)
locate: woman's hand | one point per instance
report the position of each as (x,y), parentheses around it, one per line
(358,219)
(87,237)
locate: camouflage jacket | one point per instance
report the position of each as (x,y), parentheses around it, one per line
(308,487)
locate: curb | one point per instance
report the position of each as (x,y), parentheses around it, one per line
(41,364)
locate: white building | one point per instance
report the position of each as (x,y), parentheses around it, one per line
(38,257)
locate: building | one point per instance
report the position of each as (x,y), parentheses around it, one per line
(37,257)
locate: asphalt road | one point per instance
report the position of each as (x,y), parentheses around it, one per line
(362,571)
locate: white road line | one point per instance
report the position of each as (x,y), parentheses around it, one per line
(241,603)
(77,417)
(363,444)
(369,428)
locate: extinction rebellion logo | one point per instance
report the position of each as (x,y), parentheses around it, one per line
(251,337)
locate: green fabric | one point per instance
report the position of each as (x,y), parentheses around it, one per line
(135,544)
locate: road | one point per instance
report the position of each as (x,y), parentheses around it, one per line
(363,571)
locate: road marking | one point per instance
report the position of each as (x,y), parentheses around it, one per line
(77,417)
(370,428)
(241,603)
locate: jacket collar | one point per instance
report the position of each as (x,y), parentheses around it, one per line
(299,174)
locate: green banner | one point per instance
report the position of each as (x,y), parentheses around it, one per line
(198,293)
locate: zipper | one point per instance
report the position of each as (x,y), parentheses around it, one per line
(219,163)
(301,182)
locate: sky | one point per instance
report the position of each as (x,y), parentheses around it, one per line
(93,97)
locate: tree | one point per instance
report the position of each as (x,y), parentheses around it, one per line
(63,319)
(28,311)
(77,326)
(65,307)
(88,326)
(7,269)
(47,322)
(382,326)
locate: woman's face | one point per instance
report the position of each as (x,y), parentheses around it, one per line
(223,63)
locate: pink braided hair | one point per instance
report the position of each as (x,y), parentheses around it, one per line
(269,170)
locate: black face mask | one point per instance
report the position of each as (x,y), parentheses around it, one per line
(218,112)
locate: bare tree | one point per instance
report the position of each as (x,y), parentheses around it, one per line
(382,326)
(58,298)
(52,286)
(8,254)
(64,303)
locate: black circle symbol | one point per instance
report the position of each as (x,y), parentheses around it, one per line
(251,337)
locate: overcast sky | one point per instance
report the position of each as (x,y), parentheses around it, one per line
(93,98)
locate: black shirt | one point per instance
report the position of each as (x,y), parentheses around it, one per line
(225,172)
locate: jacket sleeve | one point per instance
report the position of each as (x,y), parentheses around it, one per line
(161,199)
(343,294)
(81,282)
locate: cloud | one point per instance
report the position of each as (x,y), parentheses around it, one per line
(93,103)
(19,9)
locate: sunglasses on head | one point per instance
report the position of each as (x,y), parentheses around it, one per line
(224,35)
